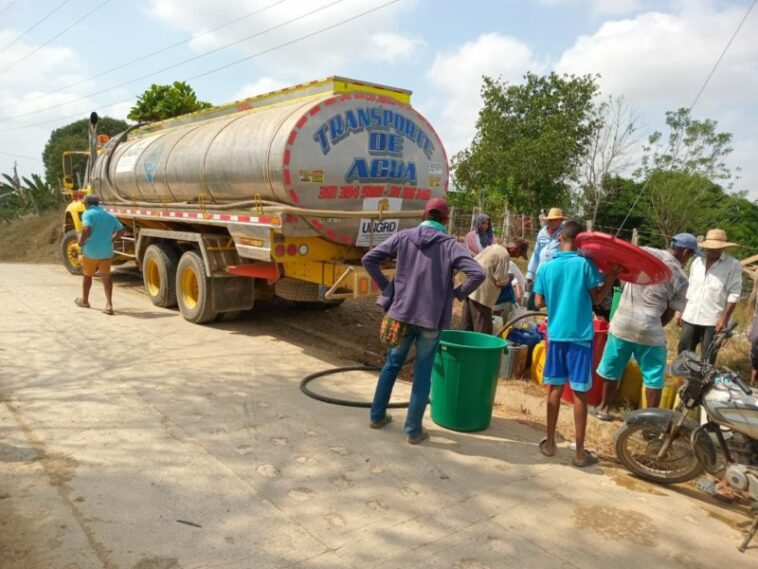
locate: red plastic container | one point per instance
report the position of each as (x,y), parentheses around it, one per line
(598,345)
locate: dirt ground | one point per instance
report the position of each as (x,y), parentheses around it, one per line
(32,239)
(202,452)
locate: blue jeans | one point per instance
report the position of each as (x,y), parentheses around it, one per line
(426,346)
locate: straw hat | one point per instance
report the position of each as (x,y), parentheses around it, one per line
(716,239)
(555,213)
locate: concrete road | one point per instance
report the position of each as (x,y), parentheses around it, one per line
(141,441)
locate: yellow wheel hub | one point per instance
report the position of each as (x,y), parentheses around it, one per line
(73,254)
(153,277)
(190,288)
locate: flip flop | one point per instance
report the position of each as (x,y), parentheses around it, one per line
(543,448)
(711,488)
(108,311)
(589,460)
(80,303)
(600,416)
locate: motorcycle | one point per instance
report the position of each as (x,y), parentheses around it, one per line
(668,447)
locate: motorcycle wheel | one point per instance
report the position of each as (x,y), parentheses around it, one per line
(637,447)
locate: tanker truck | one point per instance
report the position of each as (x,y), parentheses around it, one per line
(277,195)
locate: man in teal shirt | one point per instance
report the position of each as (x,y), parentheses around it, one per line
(569,285)
(99,230)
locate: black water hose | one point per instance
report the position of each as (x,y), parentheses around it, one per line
(345,402)
(522,317)
(366,367)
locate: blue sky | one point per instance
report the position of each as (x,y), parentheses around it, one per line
(656,54)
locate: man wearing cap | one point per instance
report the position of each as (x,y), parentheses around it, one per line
(99,229)
(715,287)
(420,298)
(547,244)
(637,326)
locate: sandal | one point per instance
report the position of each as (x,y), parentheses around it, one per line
(108,311)
(80,303)
(600,415)
(711,488)
(543,448)
(589,460)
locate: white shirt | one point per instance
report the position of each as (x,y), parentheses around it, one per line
(638,316)
(518,277)
(710,292)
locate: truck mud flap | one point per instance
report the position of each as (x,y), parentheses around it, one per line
(232,293)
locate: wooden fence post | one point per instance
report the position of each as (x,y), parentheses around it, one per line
(506,225)
(589,225)
(635,237)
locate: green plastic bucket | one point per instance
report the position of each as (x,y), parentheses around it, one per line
(615,301)
(464,379)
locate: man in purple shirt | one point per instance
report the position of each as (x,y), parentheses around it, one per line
(421,296)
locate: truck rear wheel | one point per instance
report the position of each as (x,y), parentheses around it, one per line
(71,253)
(193,289)
(159,274)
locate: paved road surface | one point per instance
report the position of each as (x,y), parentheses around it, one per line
(141,441)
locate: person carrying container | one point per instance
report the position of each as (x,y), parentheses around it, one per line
(477,307)
(481,236)
(637,326)
(418,305)
(568,286)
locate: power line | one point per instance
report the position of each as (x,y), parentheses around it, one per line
(20,156)
(8,6)
(37,23)
(214,70)
(169,67)
(280,46)
(695,100)
(55,37)
(723,53)
(148,55)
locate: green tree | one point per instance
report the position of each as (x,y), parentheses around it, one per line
(692,146)
(621,193)
(25,195)
(674,202)
(73,136)
(162,102)
(677,201)
(530,138)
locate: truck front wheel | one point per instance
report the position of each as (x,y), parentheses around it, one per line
(159,274)
(71,253)
(193,289)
